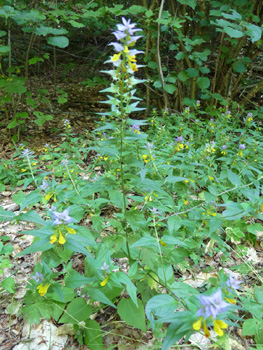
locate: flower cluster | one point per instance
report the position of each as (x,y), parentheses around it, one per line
(61,220)
(136,129)
(249,117)
(42,288)
(45,185)
(211,307)
(241,147)
(227,114)
(27,153)
(224,147)
(179,143)
(125,36)
(232,284)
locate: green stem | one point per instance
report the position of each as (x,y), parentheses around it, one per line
(31,170)
(123,124)
(73,183)
(160,250)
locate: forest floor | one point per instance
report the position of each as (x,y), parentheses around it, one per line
(81,108)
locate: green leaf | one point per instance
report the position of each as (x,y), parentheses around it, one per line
(62,99)
(233,33)
(18,197)
(35,60)
(98,295)
(31,216)
(13,124)
(174,179)
(181,55)
(173,241)
(174,223)
(145,242)
(9,284)
(59,41)
(183,76)
(159,305)
(74,280)
(215,223)
(253,31)
(191,3)
(203,82)
(254,228)
(233,211)
(132,315)
(239,67)
(77,243)
(233,178)
(249,327)
(209,196)
(92,335)
(116,198)
(76,24)
(149,13)
(40,246)
(51,258)
(4,50)
(77,311)
(192,73)
(135,9)
(170,88)
(6,215)
(31,199)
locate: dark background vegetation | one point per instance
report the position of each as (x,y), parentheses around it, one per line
(194,49)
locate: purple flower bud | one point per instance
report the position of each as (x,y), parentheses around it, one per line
(154,211)
(65,162)
(105,267)
(242,146)
(179,139)
(232,283)
(27,153)
(45,185)
(224,146)
(38,277)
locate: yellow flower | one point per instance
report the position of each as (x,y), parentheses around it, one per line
(116,57)
(70,230)
(48,196)
(145,156)
(103,283)
(231,301)
(53,238)
(61,239)
(163,243)
(43,289)
(219,325)
(179,146)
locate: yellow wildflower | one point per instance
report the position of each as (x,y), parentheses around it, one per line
(43,289)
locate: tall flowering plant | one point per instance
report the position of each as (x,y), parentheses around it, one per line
(123,101)
(124,66)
